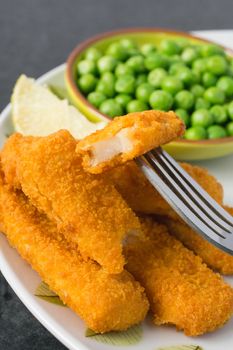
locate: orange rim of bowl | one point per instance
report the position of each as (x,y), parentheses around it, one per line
(87,43)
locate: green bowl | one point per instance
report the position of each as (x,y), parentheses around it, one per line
(180,149)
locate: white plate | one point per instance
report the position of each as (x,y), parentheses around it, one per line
(62,322)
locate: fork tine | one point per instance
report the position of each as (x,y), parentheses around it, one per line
(187,187)
(167,188)
(163,186)
(183,193)
(222,214)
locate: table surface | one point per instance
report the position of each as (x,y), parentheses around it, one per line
(36,36)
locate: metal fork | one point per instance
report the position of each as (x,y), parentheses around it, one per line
(188,199)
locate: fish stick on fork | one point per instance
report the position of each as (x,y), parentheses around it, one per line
(105,302)
(138,192)
(88,209)
(181,289)
(128,137)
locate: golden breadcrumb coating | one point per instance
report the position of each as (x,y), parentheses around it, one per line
(142,197)
(180,288)
(211,255)
(228,208)
(128,137)
(87,208)
(105,302)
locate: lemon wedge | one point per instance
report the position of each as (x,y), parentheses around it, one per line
(37,111)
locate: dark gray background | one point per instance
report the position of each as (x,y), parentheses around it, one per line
(37,35)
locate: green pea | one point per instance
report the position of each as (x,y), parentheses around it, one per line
(136,63)
(199,65)
(169,47)
(185,75)
(173,59)
(87,83)
(216,132)
(125,84)
(182,43)
(86,67)
(140,79)
(214,95)
(196,77)
(189,55)
(108,77)
(155,60)
(123,69)
(136,106)
(230,110)
(117,51)
(96,98)
(197,90)
(106,88)
(128,44)
(111,108)
(148,48)
(156,76)
(226,85)
(174,68)
(93,54)
(198,48)
(161,100)
(144,91)
(106,64)
(183,115)
(195,133)
(210,50)
(216,64)
(133,52)
(229,128)
(202,117)
(123,100)
(219,114)
(201,103)
(209,79)
(172,85)
(184,99)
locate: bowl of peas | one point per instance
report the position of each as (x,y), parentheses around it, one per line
(134,70)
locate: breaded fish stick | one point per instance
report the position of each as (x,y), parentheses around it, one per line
(87,208)
(211,255)
(180,288)
(105,302)
(127,137)
(142,197)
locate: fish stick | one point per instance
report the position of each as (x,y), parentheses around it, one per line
(229,209)
(127,137)
(211,255)
(105,302)
(88,209)
(142,197)
(181,289)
